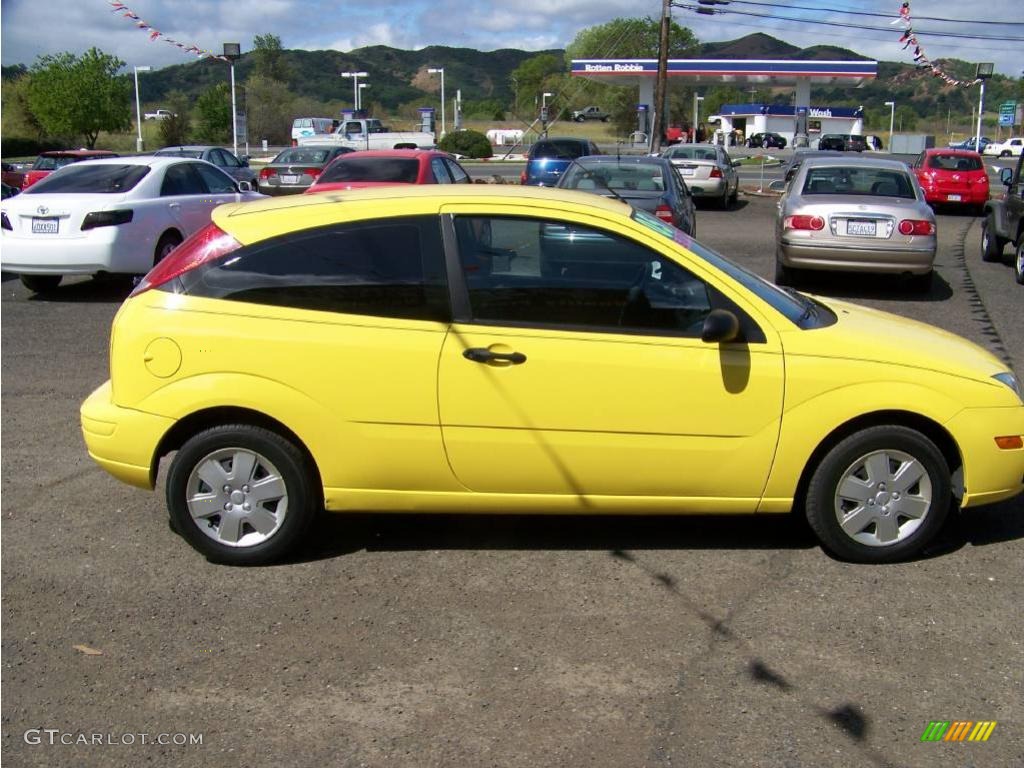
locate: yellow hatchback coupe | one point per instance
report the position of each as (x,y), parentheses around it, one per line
(519,349)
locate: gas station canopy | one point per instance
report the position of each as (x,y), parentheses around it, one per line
(711,71)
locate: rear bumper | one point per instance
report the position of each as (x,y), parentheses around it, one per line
(967,196)
(121,440)
(990,474)
(857,258)
(705,187)
(72,256)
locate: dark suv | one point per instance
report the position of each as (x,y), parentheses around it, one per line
(767,140)
(1004,221)
(843,142)
(548,159)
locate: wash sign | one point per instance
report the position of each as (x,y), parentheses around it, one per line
(1007,113)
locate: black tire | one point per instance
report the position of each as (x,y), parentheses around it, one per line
(168,242)
(1005,153)
(922,283)
(604,119)
(1018,260)
(991,244)
(783,274)
(41,283)
(270,455)
(913,514)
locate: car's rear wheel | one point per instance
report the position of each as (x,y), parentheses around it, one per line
(1018,261)
(879,495)
(167,243)
(241,495)
(991,244)
(1005,153)
(41,283)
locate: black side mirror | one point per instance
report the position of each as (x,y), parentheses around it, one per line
(720,325)
(1006,176)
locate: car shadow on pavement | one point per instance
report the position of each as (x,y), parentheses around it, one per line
(337,534)
(98,290)
(848,285)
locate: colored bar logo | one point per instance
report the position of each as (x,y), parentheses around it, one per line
(958,730)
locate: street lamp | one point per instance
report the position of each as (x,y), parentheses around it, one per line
(359,101)
(439,71)
(138,106)
(892,119)
(983,73)
(233,51)
(355,85)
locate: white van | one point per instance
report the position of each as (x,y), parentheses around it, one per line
(306,127)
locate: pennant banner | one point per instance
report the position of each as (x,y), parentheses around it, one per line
(156,34)
(921,60)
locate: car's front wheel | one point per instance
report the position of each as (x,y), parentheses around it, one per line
(241,495)
(1005,153)
(41,283)
(991,244)
(879,495)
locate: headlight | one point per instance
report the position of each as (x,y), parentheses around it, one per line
(1011,381)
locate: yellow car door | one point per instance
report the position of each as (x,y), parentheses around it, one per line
(575,368)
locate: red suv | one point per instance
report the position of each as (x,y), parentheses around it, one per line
(953,177)
(48,162)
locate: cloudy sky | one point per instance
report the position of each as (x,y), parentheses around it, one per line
(29,28)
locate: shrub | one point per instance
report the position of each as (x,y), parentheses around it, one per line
(468,143)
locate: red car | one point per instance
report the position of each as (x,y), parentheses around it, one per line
(954,177)
(48,162)
(376,168)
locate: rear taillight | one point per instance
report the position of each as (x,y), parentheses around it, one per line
(522,177)
(664,213)
(207,244)
(804,222)
(5,223)
(916,227)
(266,173)
(313,173)
(716,172)
(106,219)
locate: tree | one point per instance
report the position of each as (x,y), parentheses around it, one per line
(535,75)
(213,114)
(269,109)
(269,61)
(18,118)
(80,96)
(175,129)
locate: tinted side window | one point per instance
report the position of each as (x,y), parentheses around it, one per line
(440,171)
(391,268)
(553,274)
(460,176)
(181,179)
(228,160)
(218,182)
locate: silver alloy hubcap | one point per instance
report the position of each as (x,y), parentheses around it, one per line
(1020,259)
(236,497)
(883,497)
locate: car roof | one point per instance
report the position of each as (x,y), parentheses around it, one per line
(844,159)
(151,160)
(78,153)
(625,159)
(188,148)
(405,153)
(951,151)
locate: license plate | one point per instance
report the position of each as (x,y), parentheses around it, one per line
(953,198)
(687,171)
(44,226)
(858,227)
(289,179)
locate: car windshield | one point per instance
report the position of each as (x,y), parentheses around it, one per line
(91,178)
(195,154)
(954,162)
(801,310)
(393,169)
(559,149)
(303,156)
(692,153)
(640,177)
(853,180)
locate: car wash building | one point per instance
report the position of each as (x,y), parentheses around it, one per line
(795,124)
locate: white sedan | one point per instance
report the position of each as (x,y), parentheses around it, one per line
(115,215)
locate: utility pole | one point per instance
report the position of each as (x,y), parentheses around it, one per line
(658,126)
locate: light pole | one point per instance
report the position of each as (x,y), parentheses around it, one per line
(544,113)
(138,106)
(696,114)
(359,101)
(439,71)
(233,51)
(892,119)
(355,85)
(983,73)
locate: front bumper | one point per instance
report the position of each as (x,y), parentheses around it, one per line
(121,440)
(990,473)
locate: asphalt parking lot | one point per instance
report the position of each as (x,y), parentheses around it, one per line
(491,640)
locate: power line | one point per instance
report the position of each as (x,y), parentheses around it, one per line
(856,12)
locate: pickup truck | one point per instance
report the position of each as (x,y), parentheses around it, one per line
(160,114)
(1011,146)
(1004,220)
(371,134)
(590,113)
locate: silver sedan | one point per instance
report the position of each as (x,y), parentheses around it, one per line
(854,214)
(708,171)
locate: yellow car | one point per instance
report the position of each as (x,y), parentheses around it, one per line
(519,349)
